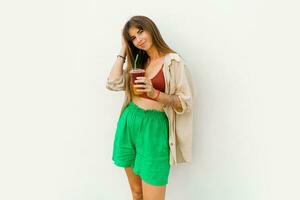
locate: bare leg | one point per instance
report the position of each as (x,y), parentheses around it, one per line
(135,183)
(151,192)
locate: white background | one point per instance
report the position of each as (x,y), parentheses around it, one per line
(58,119)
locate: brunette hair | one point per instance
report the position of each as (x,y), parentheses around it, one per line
(146,24)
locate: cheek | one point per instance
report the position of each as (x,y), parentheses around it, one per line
(134,43)
(149,39)
(146,37)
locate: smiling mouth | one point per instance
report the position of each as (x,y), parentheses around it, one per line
(142,44)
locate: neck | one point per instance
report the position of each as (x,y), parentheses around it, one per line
(154,54)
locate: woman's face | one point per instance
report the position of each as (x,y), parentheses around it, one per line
(141,39)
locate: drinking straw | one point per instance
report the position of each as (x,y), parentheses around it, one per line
(136,58)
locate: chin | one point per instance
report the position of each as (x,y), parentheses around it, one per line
(146,48)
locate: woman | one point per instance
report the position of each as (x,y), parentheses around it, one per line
(154,130)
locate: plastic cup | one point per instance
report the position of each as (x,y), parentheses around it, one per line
(134,73)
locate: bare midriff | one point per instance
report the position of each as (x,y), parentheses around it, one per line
(147,104)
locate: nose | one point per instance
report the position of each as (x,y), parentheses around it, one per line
(138,39)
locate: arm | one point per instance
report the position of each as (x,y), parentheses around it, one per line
(182,99)
(168,100)
(116,80)
(117,69)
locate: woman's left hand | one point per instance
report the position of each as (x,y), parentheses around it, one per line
(145,87)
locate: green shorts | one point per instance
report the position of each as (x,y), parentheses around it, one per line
(142,142)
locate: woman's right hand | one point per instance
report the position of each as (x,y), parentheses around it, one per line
(123,40)
(124,46)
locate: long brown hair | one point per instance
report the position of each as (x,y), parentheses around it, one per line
(146,24)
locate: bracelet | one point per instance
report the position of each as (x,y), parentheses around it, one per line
(121,57)
(155,98)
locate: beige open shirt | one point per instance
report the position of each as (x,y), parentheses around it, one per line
(178,81)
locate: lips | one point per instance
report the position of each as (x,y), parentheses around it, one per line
(142,44)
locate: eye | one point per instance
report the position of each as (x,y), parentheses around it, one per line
(139,32)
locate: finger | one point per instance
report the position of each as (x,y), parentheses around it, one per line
(146,80)
(141,90)
(139,81)
(139,86)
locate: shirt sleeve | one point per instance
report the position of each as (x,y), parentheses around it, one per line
(184,87)
(117,84)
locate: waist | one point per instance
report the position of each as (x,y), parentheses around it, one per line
(147,104)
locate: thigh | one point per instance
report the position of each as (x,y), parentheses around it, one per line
(152,192)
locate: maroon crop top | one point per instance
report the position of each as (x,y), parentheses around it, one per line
(158,82)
